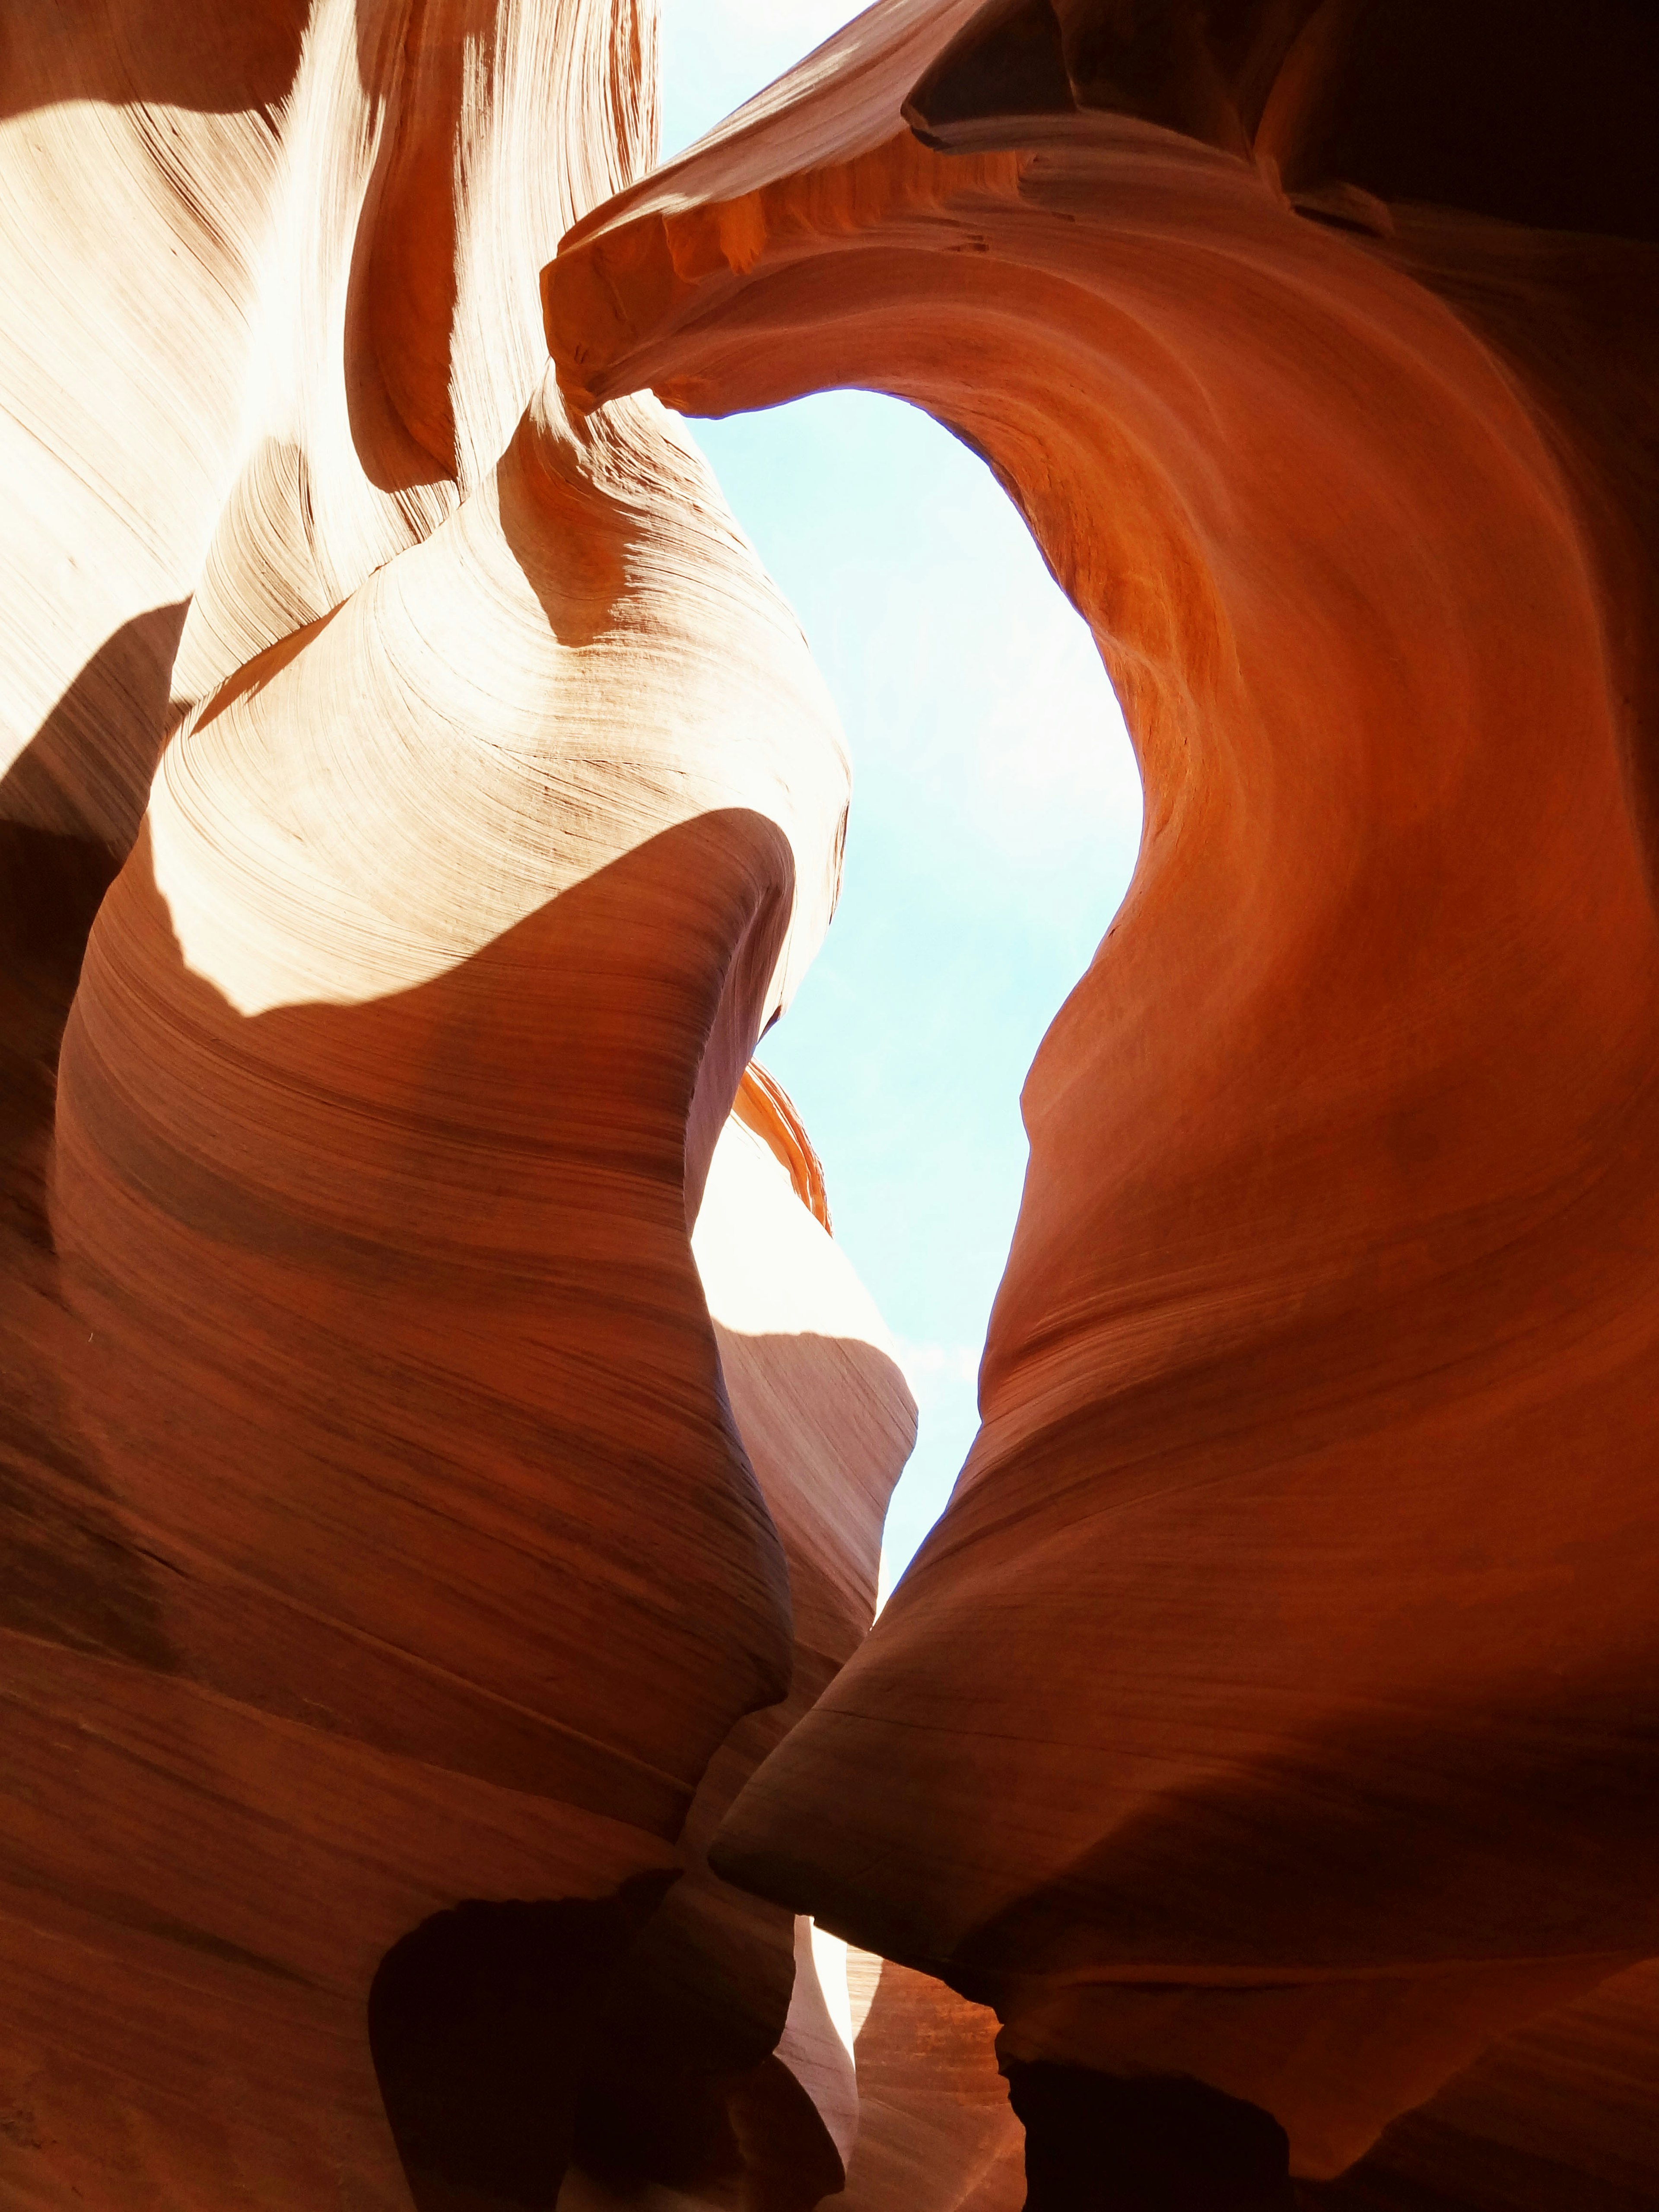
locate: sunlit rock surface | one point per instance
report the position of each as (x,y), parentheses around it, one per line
(388,1577)
(723,2060)
(935,2126)
(443,1761)
(1272,1710)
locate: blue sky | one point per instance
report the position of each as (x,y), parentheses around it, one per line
(996,809)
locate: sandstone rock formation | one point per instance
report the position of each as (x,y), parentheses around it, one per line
(1565,2112)
(386,1564)
(1272,1710)
(436,1714)
(719,2064)
(935,2126)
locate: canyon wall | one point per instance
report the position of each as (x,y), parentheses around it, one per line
(445,1761)
(396,1545)
(1266,1730)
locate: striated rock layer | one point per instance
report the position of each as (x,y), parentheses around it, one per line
(723,2064)
(935,2126)
(388,1575)
(1565,2112)
(1268,1725)
(434,1693)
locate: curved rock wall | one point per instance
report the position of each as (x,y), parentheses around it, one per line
(435,1694)
(387,1566)
(723,2059)
(1272,1706)
(935,2126)
(1562,2113)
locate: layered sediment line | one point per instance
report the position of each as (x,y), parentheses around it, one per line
(387,1567)
(1273,1705)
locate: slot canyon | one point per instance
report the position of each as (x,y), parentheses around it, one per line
(452,1757)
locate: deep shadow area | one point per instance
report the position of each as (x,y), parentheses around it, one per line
(673,2128)
(213,57)
(1504,108)
(71,1573)
(476,2021)
(1497,108)
(1007,60)
(1094,2144)
(87,771)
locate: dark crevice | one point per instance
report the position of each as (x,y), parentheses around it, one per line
(69,805)
(1098,2142)
(479,2021)
(1008,61)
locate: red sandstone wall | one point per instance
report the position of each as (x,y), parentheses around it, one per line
(1270,1705)
(387,1564)
(417,802)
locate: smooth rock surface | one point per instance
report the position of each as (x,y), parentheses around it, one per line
(1561,2116)
(441,1750)
(1274,1704)
(723,2059)
(935,2126)
(385,1566)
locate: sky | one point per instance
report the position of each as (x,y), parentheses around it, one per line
(995,818)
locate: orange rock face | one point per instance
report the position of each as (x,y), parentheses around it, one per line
(1272,1708)
(437,1700)
(1561,2112)
(935,2126)
(388,1575)
(722,2067)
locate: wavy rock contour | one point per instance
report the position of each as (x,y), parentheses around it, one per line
(387,1566)
(1272,1710)
(421,1576)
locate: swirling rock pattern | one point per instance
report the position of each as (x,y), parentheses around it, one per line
(435,1688)
(1272,1708)
(388,1574)
(726,2061)
(935,2126)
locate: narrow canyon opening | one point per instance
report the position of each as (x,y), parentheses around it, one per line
(995,821)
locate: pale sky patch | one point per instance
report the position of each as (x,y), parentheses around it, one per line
(718,53)
(996,811)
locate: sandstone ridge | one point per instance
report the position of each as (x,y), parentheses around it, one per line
(449,1764)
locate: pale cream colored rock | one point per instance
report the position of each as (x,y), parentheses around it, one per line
(1290,1629)
(386,1547)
